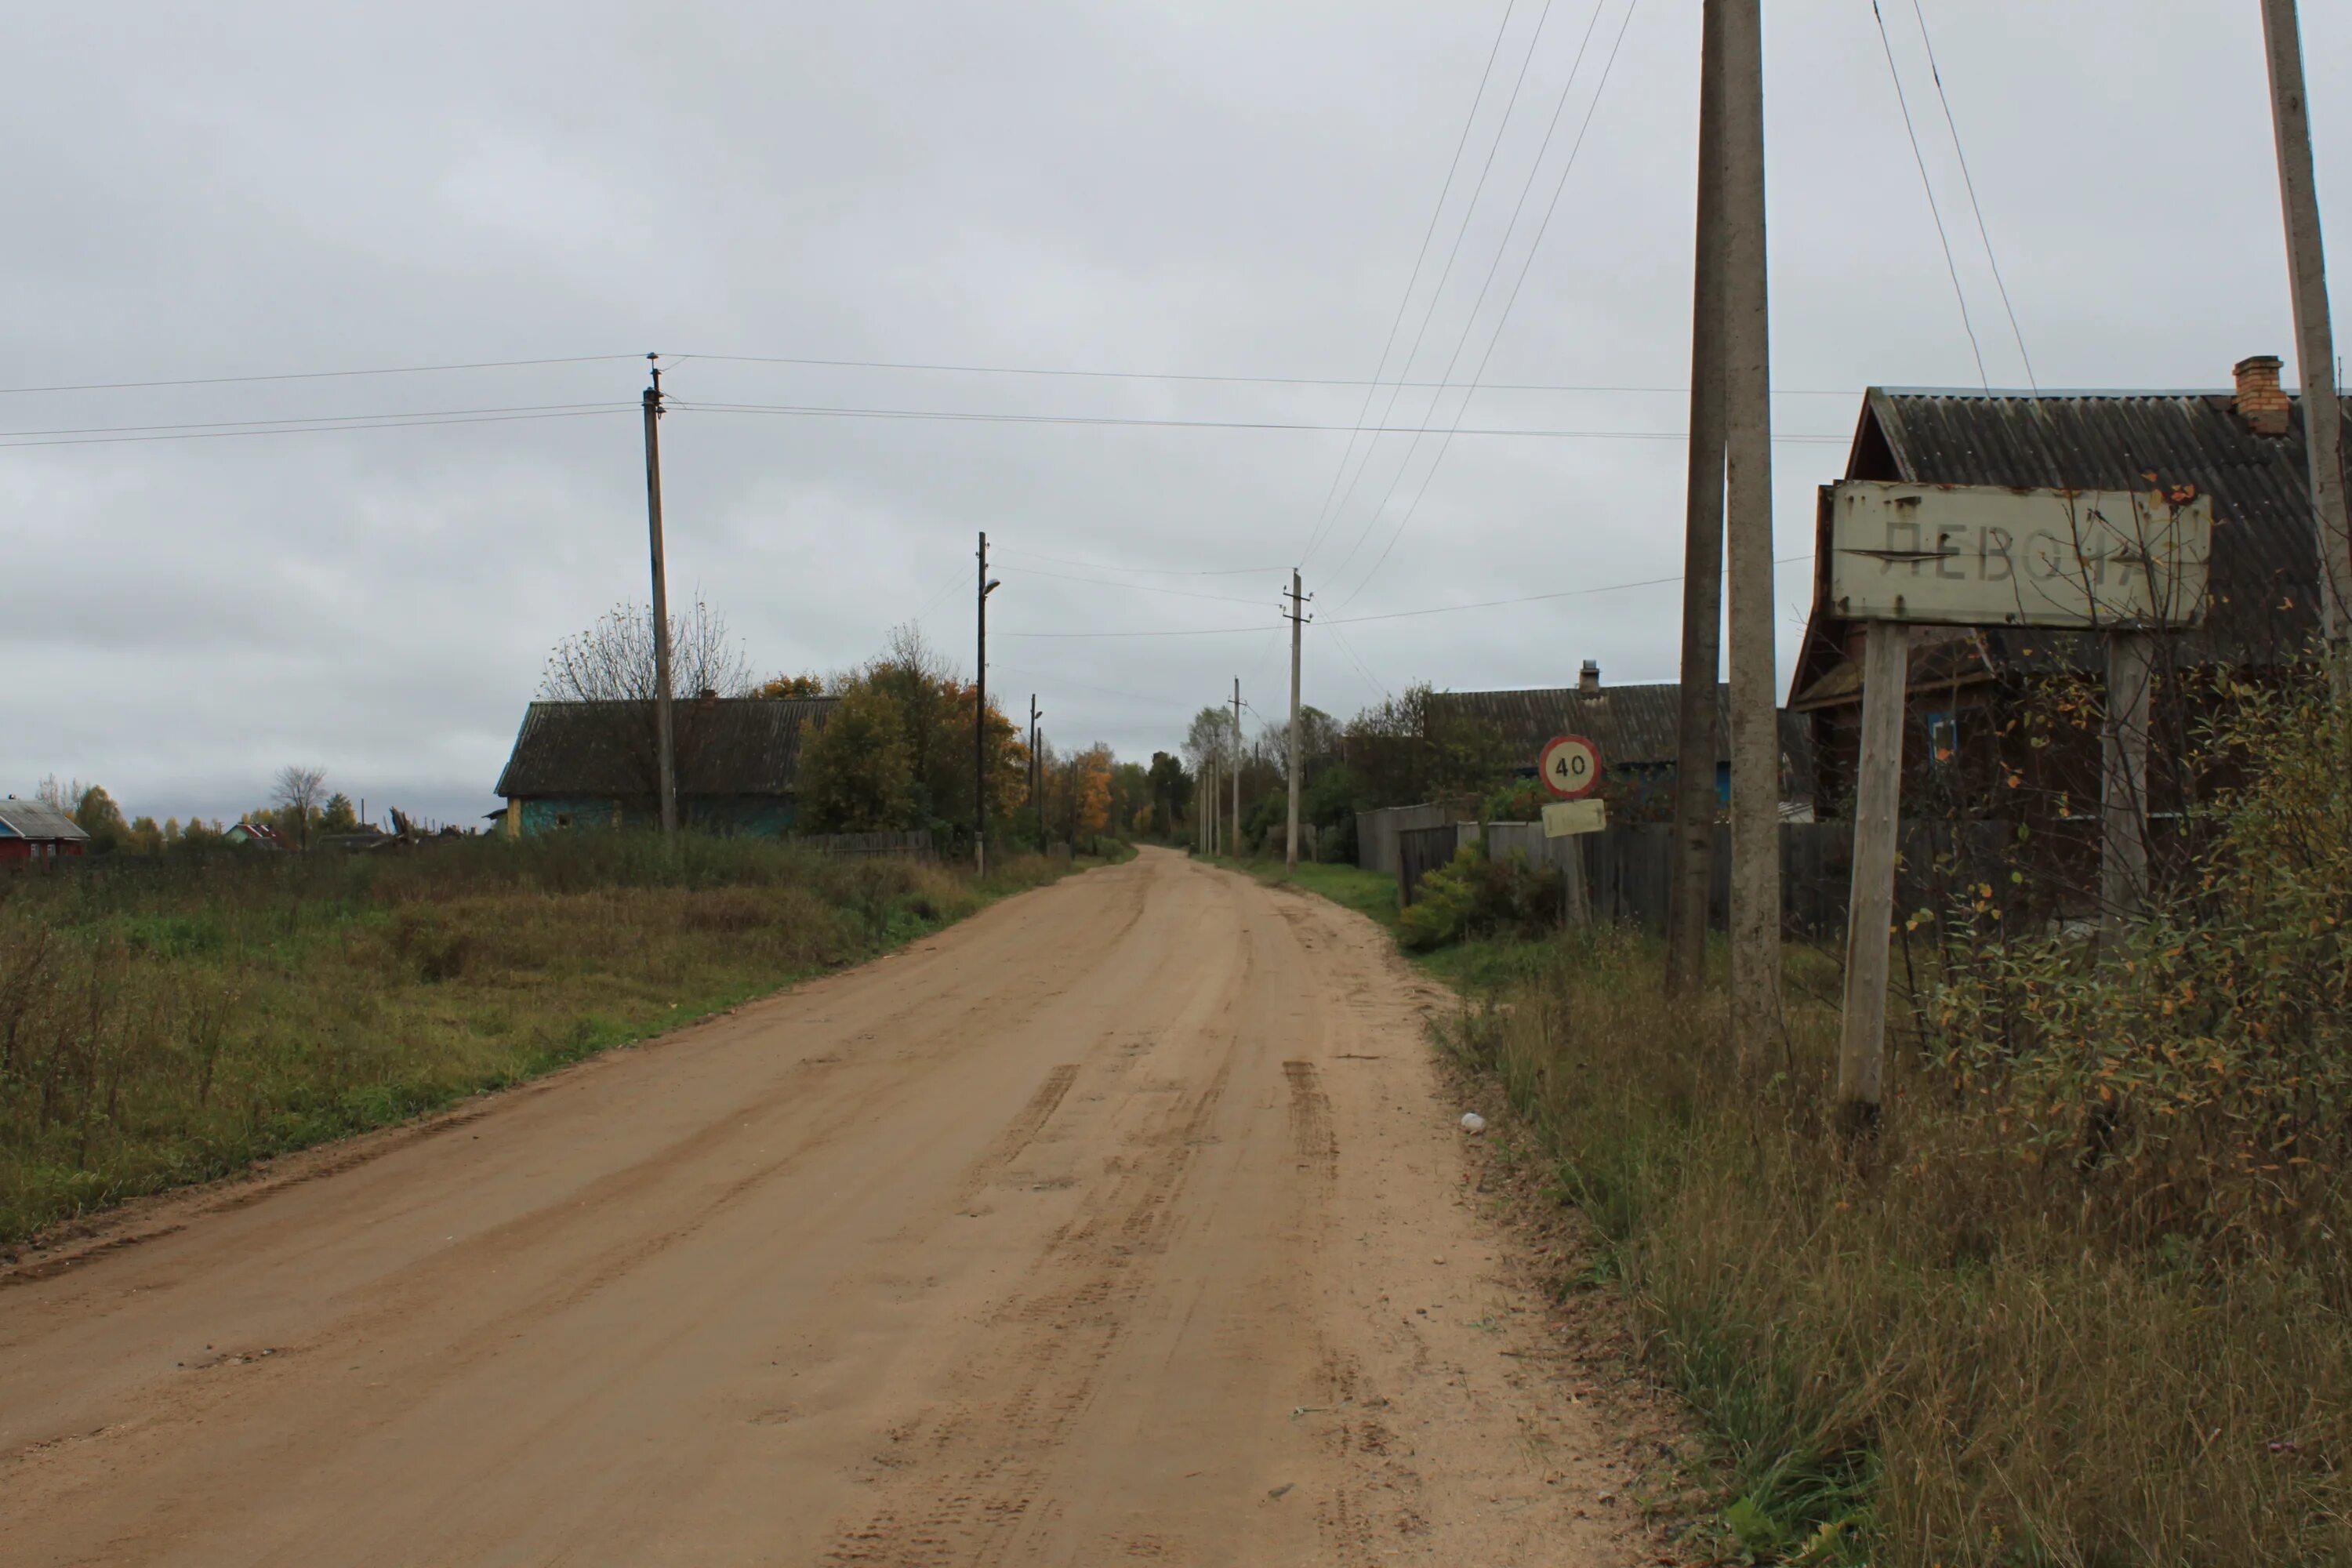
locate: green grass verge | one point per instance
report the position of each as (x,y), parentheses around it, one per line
(164,1023)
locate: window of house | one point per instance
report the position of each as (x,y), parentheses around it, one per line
(563,819)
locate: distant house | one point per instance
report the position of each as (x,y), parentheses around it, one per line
(1973,693)
(30,831)
(579,765)
(255,835)
(1637,728)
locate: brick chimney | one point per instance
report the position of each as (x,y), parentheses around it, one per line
(1588,680)
(2260,401)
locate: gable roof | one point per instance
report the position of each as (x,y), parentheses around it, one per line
(724,746)
(31,819)
(1631,724)
(2265,565)
(1634,726)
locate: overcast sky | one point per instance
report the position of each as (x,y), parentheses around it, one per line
(1196,189)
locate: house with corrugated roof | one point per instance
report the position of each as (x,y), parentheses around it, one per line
(580,765)
(33,832)
(1637,728)
(1981,702)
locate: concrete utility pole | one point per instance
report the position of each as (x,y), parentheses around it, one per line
(980,724)
(664,748)
(2315,347)
(1696,749)
(1747,528)
(1297,764)
(1237,765)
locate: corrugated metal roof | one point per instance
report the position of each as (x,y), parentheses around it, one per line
(31,819)
(726,746)
(1630,724)
(2265,565)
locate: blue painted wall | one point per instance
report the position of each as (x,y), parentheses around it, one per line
(756,816)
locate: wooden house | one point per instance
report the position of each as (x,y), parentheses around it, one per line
(578,765)
(33,833)
(2002,722)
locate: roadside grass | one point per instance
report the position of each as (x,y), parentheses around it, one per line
(165,1022)
(1947,1347)
(1470,966)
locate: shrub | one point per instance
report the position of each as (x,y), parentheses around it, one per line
(1473,897)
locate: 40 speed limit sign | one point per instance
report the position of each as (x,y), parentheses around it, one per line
(1570,766)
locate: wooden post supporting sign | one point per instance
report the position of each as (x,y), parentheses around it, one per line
(1870,907)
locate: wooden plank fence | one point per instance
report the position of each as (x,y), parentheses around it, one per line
(1628,870)
(915,845)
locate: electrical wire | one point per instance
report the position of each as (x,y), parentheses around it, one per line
(1397,614)
(1084,374)
(985,417)
(1025,555)
(315,375)
(1470,322)
(1453,252)
(1502,320)
(1967,180)
(1404,300)
(350,420)
(1926,184)
(1138,587)
(314,429)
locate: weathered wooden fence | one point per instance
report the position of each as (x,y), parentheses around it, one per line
(916,844)
(1628,870)
(1378,833)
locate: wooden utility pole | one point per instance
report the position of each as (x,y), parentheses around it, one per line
(664,748)
(1870,907)
(2123,782)
(1290,835)
(1747,530)
(2314,345)
(1237,765)
(1037,772)
(979,722)
(1697,748)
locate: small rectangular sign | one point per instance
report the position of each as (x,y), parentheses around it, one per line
(1562,817)
(1987,556)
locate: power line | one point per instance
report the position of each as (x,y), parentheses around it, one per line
(1147,570)
(1138,587)
(1935,74)
(317,429)
(314,374)
(1097,374)
(986,418)
(1517,283)
(1404,300)
(1393,615)
(1470,322)
(1926,184)
(348,420)
(1453,253)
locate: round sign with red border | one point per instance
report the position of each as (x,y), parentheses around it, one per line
(1570,766)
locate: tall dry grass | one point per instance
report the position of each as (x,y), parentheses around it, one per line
(167,1022)
(1942,1349)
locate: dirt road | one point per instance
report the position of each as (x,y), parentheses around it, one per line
(1121,1222)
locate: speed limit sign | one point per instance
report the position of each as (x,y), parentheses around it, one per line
(1570,766)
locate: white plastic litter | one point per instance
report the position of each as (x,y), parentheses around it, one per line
(1473,1124)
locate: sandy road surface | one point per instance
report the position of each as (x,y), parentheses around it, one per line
(1121,1223)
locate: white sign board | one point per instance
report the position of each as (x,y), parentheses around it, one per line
(1563,817)
(1987,555)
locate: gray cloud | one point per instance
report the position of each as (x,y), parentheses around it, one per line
(1209,188)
